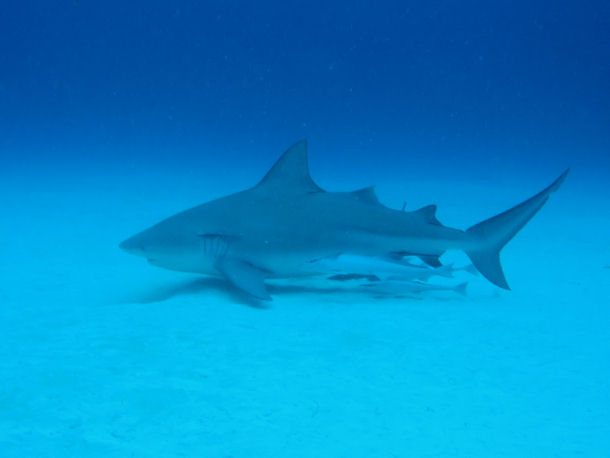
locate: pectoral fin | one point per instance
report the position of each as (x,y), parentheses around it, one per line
(245,276)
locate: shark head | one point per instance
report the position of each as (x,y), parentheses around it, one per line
(138,245)
(168,245)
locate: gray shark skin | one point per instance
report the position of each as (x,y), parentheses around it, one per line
(286,221)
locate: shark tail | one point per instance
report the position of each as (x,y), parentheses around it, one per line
(490,236)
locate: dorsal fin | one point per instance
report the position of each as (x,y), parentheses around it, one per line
(367,195)
(291,171)
(429,214)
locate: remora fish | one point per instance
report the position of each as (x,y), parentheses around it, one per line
(346,264)
(284,222)
(413,287)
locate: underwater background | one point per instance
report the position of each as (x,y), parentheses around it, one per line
(115,115)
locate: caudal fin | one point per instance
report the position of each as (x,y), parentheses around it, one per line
(491,235)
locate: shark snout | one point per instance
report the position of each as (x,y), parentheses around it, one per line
(133,245)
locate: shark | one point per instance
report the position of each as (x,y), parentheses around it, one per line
(286,223)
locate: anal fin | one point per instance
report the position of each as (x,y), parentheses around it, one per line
(430,260)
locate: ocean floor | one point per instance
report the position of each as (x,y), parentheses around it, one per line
(104,355)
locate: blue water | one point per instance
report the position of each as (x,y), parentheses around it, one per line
(114,115)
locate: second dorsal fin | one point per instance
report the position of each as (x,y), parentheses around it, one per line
(429,214)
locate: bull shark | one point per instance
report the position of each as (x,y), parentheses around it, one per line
(287,221)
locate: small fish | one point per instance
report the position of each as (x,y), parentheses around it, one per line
(415,287)
(347,277)
(344,266)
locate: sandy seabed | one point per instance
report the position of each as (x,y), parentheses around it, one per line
(103,355)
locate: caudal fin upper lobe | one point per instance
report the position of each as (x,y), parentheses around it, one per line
(489,237)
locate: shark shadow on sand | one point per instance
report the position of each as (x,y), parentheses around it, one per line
(218,286)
